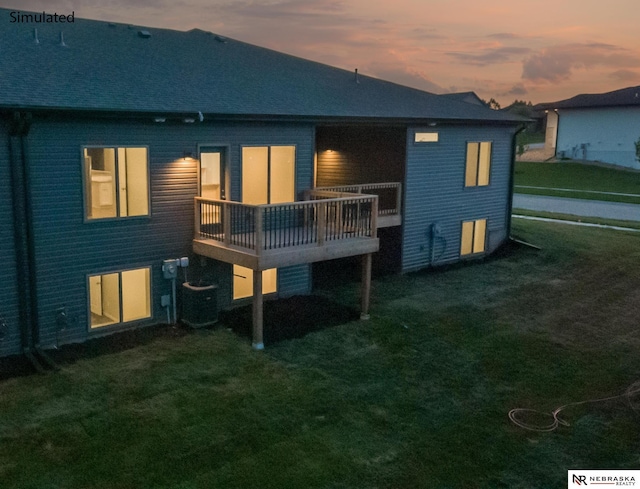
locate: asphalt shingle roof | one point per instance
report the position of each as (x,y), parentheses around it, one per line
(113,67)
(625,96)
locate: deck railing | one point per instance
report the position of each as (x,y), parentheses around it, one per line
(389,194)
(330,217)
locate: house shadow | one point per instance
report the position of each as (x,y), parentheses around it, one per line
(290,318)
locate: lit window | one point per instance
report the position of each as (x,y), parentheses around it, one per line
(268,174)
(119,297)
(478,164)
(426,137)
(243,282)
(473,237)
(116,182)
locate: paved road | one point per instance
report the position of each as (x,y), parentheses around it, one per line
(578,207)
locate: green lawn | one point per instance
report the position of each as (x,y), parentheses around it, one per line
(577,176)
(417,397)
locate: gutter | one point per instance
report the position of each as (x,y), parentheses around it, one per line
(25,243)
(512,177)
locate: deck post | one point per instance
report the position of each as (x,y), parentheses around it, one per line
(365,286)
(398,198)
(257,340)
(321,209)
(198,218)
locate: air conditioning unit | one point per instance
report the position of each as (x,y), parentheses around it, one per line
(199,304)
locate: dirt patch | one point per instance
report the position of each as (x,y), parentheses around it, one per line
(536,155)
(290,318)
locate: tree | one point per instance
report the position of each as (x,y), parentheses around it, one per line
(493,104)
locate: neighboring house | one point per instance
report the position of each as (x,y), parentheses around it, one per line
(125,147)
(595,127)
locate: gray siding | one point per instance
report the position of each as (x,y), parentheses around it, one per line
(9,337)
(68,248)
(435,193)
(604,134)
(294,280)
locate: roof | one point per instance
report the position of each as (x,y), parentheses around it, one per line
(93,65)
(623,97)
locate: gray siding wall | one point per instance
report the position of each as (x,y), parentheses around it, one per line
(69,249)
(9,313)
(604,134)
(435,193)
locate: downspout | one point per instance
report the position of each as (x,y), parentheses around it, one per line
(512,178)
(25,243)
(555,153)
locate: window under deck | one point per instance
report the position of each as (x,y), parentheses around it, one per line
(328,225)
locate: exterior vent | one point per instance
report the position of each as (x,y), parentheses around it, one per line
(221,39)
(144,34)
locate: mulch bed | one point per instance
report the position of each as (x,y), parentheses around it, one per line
(283,319)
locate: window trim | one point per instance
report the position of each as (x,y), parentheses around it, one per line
(477,175)
(85,196)
(473,237)
(120,324)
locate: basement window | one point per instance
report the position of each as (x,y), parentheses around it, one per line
(426,137)
(473,237)
(119,297)
(116,182)
(478,164)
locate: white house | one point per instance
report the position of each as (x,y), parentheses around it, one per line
(596,127)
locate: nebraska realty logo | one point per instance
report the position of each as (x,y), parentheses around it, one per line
(620,478)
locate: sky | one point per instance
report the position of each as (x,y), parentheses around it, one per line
(540,51)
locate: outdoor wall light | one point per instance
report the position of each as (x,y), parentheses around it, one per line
(187,155)
(160,119)
(188,120)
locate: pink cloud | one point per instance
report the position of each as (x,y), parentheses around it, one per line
(558,63)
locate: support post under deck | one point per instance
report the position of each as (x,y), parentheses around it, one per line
(365,286)
(257,340)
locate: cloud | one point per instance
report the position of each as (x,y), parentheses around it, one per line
(403,75)
(504,36)
(490,56)
(625,75)
(516,90)
(557,63)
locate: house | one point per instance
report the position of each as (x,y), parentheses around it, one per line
(595,127)
(129,151)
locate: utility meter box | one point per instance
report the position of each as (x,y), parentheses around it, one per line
(170,268)
(199,305)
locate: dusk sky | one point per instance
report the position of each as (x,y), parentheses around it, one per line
(537,51)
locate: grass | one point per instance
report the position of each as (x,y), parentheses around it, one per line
(416,397)
(577,176)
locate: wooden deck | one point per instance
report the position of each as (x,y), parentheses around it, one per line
(278,235)
(331,223)
(389,199)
